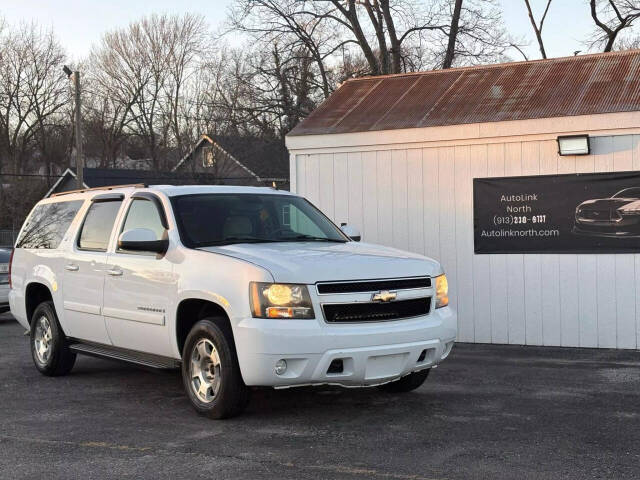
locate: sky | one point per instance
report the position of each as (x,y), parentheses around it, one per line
(80,23)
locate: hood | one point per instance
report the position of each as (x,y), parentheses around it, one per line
(311,262)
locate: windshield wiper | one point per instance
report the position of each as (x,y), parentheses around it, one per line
(310,238)
(230,240)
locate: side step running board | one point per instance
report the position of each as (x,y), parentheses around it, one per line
(131,356)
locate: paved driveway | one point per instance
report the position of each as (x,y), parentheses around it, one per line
(488,412)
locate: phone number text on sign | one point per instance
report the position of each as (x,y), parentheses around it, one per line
(518,219)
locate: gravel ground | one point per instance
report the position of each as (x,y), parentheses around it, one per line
(498,412)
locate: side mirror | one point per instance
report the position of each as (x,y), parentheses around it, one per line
(350,231)
(142,240)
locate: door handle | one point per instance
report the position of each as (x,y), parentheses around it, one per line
(71,267)
(114,272)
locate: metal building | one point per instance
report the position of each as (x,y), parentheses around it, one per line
(396,156)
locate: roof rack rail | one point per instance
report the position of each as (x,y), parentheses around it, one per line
(109,187)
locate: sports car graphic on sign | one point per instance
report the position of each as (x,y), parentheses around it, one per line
(616,216)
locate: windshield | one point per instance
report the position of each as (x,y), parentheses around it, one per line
(633,192)
(222,219)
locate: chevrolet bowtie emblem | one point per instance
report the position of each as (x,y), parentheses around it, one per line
(384,296)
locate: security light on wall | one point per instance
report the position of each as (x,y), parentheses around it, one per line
(574,145)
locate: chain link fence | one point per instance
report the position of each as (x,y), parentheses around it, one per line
(8,238)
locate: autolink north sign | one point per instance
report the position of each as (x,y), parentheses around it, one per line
(573,213)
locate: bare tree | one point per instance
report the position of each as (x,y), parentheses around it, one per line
(537,27)
(391,36)
(383,21)
(185,47)
(632,43)
(294,24)
(32,94)
(611,18)
(453,35)
(281,90)
(432,34)
(476,35)
(115,82)
(139,74)
(34,101)
(230,109)
(257,92)
(198,111)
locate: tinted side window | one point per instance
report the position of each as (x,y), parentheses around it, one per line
(48,224)
(98,224)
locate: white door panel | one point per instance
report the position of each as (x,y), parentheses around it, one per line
(137,302)
(82,293)
(138,286)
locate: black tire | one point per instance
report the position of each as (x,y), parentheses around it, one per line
(407,383)
(59,360)
(231,395)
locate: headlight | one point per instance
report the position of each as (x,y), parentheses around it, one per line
(442,291)
(280,300)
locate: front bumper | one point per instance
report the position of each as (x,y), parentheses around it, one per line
(620,226)
(614,231)
(370,353)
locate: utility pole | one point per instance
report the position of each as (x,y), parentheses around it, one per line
(78,121)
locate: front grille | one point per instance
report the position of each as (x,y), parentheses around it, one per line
(374,285)
(376,312)
(599,215)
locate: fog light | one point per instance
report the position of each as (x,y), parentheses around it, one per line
(281,367)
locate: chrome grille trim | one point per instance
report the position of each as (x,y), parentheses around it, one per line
(350,287)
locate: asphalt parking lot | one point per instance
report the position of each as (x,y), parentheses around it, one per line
(488,412)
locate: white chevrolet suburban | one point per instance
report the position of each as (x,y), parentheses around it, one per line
(238,286)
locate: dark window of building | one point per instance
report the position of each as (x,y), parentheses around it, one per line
(48,224)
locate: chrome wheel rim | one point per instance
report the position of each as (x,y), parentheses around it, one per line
(204,371)
(42,339)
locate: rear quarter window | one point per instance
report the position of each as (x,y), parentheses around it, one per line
(47,225)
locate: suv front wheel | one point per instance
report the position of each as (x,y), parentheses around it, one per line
(211,373)
(49,348)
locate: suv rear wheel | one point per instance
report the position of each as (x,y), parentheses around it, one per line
(49,347)
(407,383)
(211,373)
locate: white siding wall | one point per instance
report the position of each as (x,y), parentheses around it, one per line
(421,199)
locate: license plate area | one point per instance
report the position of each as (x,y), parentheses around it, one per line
(385,366)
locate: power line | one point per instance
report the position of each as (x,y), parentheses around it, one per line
(29,175)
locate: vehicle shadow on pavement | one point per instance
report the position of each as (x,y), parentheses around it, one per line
(332,400)
(267,403)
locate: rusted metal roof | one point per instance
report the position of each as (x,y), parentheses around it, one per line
(582,85)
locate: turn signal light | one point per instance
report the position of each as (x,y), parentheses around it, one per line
(279,300)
